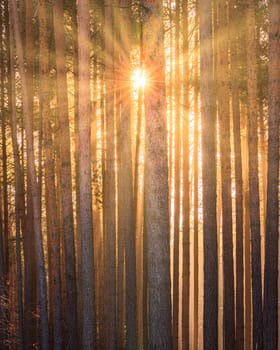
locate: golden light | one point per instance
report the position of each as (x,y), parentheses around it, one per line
(139,78)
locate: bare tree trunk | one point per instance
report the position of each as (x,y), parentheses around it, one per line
(272,220)
(66,178)
(85,191)
(110,177)
(186,185)
(41,274)
(50,187)
(177,181)
(239,260)
(208,124)
(253,178)
(19,204)
(224,127)
(195,191)
(156,181)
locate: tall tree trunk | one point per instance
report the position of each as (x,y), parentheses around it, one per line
(19,202)
(224,127)
(4,153)
(4,240)
(272,220)
(41,274)
(30,268)
(156,180)
(110,177)
(66,178)
(126,201)
(186,186)
(195,190)
(50,187)
(208,124)
(177,182)
(239,260)
(85,191)
(253,178)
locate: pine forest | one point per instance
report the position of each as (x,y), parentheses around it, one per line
(139,174)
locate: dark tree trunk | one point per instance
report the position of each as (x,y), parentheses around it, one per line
(66,178)
(253,178)
(41,274)
(272,220)
(239,261)
(225,151)
(19,203)
(208,137)
(50,188)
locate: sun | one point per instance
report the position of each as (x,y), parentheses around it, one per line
(139,78)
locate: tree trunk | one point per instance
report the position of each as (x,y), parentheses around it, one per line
(85,192)
(41,274)
(208,137)
(110,177)
(19,203)
(156,180)
(253,178)
(272,220)
(239,260)
(66,178)
(50,188)
(186,185)
(224,127)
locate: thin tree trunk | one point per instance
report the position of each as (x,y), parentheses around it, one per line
(195,191)
(239,260)
(186,185)
(19,208)
(177,182)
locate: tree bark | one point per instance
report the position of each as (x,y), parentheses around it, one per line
(41,274)
(239,260)
(225,151)
(66,178)
(50,188)
(85,190)
(156,180)
(208,137)
(272,220)
(253,178)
